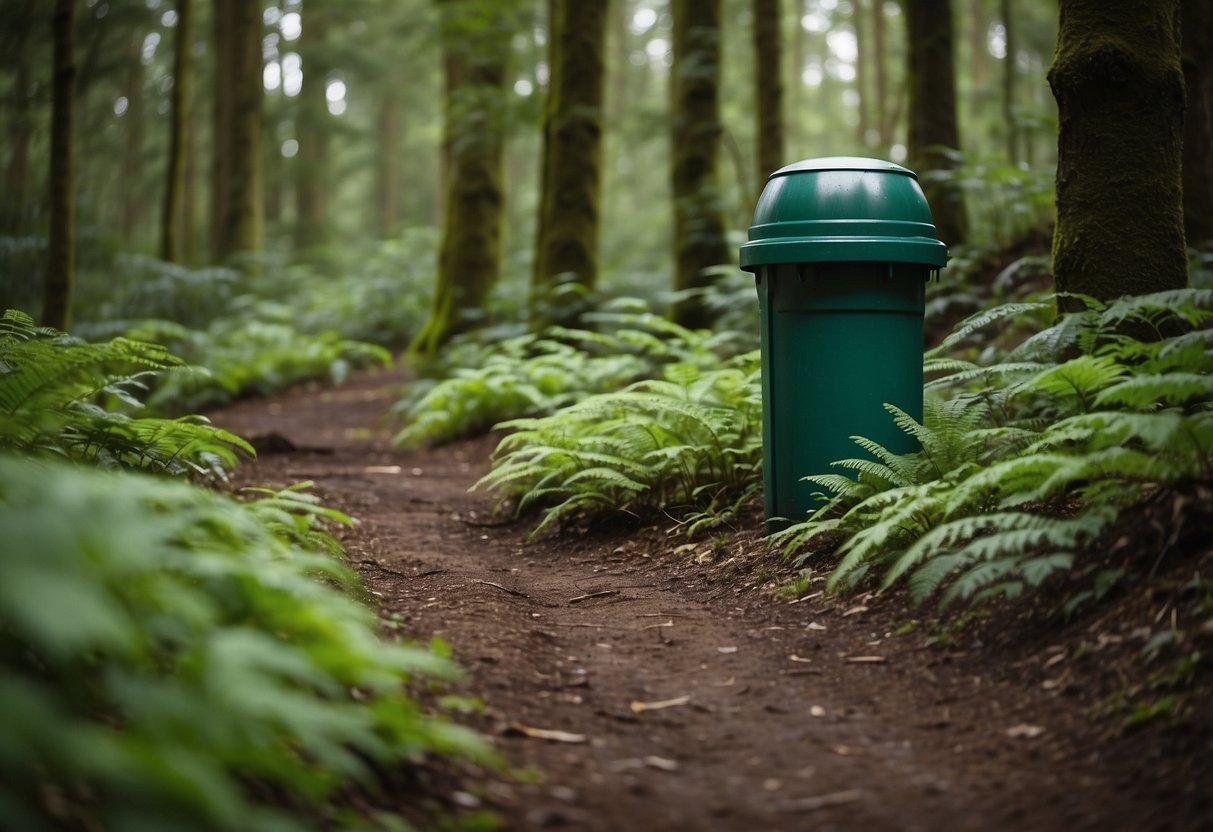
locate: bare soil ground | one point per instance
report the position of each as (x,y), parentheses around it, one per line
(654,684)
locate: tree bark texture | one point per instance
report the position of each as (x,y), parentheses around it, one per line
(236,202)
(1009,70)
(1118,82)
(17,43)
(172,218)
(1197,25)
(934,137)
(883,119)
(476,38)
(699,228)
(566,247)
(57,290)
(311,165)
(768,92)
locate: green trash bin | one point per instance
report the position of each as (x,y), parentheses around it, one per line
(841,250)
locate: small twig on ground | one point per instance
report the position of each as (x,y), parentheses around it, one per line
(590,595)
(505,589)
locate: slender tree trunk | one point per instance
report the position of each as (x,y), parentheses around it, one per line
(237,202)
(476,44)
(934,137)
(796,88)
(699,228)
(312,180)
(57,291)
(1009,71)
(131,195)
(862,84)
(884,124)
(566,247)
(768,94)
(1197,25)
(979,51)
(20,124)
(172,221)
(388,129)
(1118,82)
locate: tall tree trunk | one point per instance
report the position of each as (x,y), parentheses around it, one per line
(884,124)
(862,84)
(131,196)
(172,219)
(979,50)
(20,125)
(388,130)
(699,229)
(312,129)
(1197,25)
(934,137)
(1009,70)
(566,248)
(768,94)
(57,291)
(476,41)
(796,88)
(236,205)
(1118,82)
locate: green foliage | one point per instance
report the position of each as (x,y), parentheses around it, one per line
(174,659)
(687,444)
(1032,457)
(537,374)
(60,395)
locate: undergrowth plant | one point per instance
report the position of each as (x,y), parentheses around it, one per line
(62,396)
(688,444)
(174,659)
(488,381)
(1029,459)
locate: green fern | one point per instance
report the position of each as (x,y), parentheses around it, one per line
(1079,415)
(63,396)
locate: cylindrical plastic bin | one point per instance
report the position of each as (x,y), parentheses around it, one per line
(841,250)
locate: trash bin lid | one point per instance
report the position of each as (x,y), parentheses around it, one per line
(842,208)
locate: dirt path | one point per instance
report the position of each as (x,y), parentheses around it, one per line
(691,699)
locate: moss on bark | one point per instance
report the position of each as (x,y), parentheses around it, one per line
(699,228)
(1117,79)
(566,248)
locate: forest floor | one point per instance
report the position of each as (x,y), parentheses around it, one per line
(652,683)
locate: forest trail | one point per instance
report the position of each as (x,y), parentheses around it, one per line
(683,697)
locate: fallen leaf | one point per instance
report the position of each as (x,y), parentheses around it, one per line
(1025,731)
(855,611)
(661,763)
(813,625)
(641,707)
(865,659)
(546,734)
(726,649)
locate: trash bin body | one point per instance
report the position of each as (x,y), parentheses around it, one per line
(841,250)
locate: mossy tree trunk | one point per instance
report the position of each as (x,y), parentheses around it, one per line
(1197,25)
(699,228)
(1009,71)
(476,36)
(768,88)
(57,290)
(236,196)
(312,124)
(1117,79)
(172,221)
(934,137)
(566,248)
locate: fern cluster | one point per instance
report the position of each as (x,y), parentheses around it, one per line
(174,659)
(1028,460)
(63,396)
(536,374)
(689,443)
